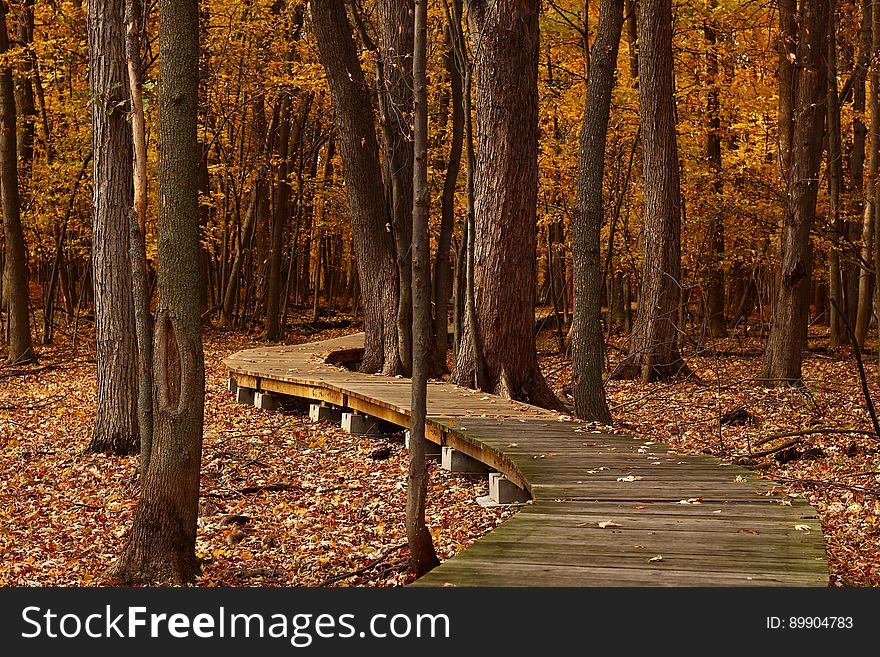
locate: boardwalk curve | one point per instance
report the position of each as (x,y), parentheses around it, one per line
(606,509)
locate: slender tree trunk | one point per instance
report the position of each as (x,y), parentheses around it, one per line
(867,279)
(653,352)
(15,273)
(788,330)
(273,328)
(116,417)
(24,88)
(395,26)
(137,249)
(506,37)
(442,274)
(587,345)
(421,548)
(161,544)
(715,293)
(857,160)
(370,224)
(835,181)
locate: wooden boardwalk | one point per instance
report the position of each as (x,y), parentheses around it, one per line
(606,510)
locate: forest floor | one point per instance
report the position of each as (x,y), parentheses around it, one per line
(289,503)
(284,502)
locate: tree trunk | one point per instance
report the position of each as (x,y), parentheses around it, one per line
(370,224)
(587,345)
(867,279)
(15,274)
(116,424)
(137,249)
(442,272)
(421,548)
(788,329)
(857,161)
(24,88)
(161,544)
(395,26)
(506,35)
(273,328)
(835,181)
(653,352)
(717,325)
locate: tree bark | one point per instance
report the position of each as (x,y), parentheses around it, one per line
(423,558)
(506,182)
(161,544)
(835,181)
(137,248)
(587,344)
(788,329)
(442,272)
(395,25)
(116,417)
(15,274)
(24,88)
(370,224)
(717,324)
(653,352)
(857,160)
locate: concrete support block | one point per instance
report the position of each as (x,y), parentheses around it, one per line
(504,491)
(456,461)
(324,413)
(232,386)
(245,395)
(266,401)
(361,425)
(432,450)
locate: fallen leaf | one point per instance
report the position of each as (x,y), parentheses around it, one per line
(609,523)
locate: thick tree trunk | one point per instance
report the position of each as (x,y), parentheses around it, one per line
(653,352)
(421,548)
(161,544)
(15,274)
(506,185)
(370,225)
(587,345)
(395,25)
(788,330)
(116,417)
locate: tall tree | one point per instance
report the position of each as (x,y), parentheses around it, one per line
(116,418)
(653,352)
(395,26)
(506,38)
(587,345)
(800,155)
(422,555)
(15,274)
(161,544)
(835,183)
(715,289)
(137,231)
(370,224)
(855,271)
